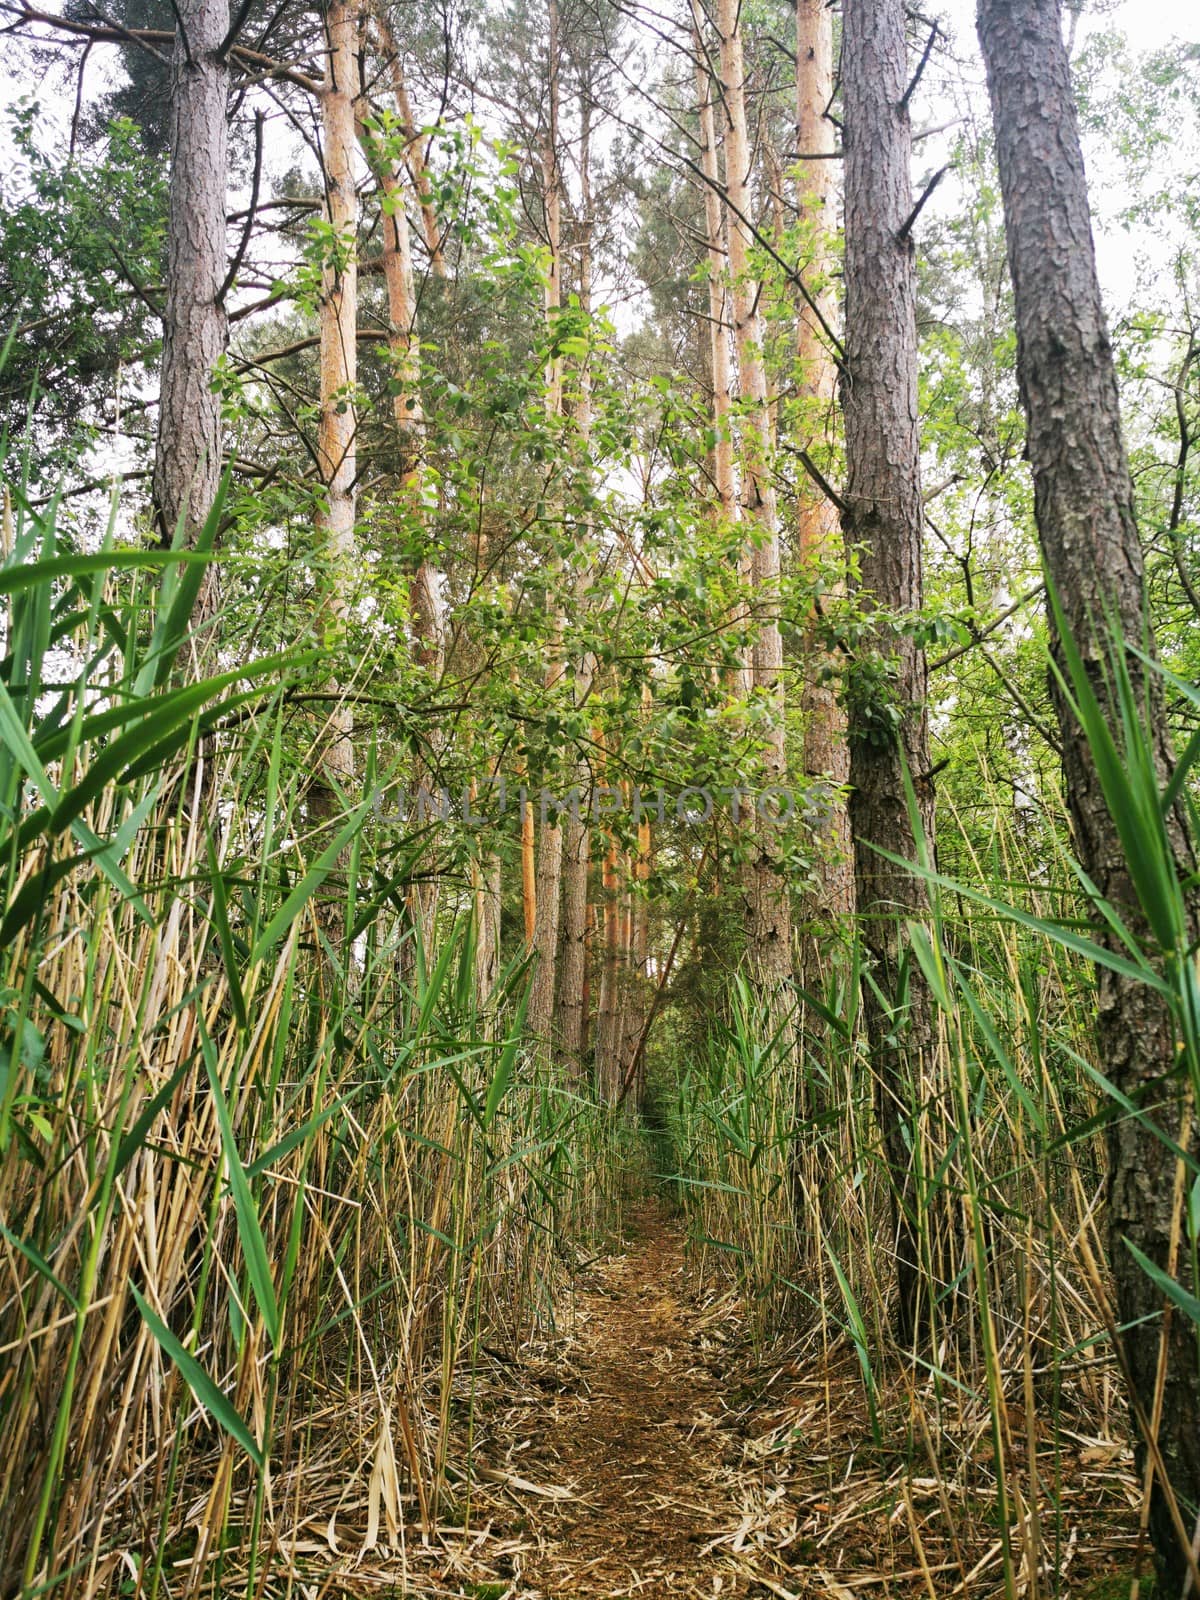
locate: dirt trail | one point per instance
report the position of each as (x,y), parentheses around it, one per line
(651,1453)
(637,1440)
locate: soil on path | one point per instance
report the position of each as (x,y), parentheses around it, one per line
(637,1442)
(651,1451)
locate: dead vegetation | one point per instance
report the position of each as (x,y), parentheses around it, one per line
(645,1449)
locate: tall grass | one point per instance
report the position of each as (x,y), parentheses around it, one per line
(260,1201)
(270,1178)
(1009,1161)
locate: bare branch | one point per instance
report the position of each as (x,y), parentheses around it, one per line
(920,205)
(239,253)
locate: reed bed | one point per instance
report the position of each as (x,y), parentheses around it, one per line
(777,1160)
(282,1192)
(266,1187)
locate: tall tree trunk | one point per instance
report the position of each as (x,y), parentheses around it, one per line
(540,1015)
(576,847)
(827,910)
(425,599)
(404,350)
(608,1009)
(585,1005)
(768,917)
(487,879)
(718,313)
(889,729)
(416,149)
(528,862)
(640,948)
(338,423)
(187,459)
(1083,500)
(573,965)
(822,549)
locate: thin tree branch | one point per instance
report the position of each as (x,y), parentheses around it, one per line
(920,205)
(151,39)
(818,477)
(367,335)
(934,30)
(235,27)
(180,31)
(78,111)
(132,279)
(1181,461)
(979,634)
(244,241)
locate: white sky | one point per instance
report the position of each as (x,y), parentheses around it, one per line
(1149,23)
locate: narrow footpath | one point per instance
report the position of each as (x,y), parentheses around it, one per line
(636,1439)
(646,1450)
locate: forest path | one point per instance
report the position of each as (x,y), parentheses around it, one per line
(638,1441)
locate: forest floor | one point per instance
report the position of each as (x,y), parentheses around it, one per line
(648,1450)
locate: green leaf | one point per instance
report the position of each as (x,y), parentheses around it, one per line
(32,574)
(300,1134)
(177,596)
(133,1141)
(220,917)
(39,1264)
(1187,1303)
(14,737)
(254,1246)
(1088,948)
(922,948)
(310,883)
(502,1076)
(213,1399)
(984,1023)
(166,716)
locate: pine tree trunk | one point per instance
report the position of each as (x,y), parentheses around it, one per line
(540,1015)
(640,954)
(488,883)
(768,911)
(1085,516)
(338,422)
(718,313)
(187,459)
(889,728)
(528,861)
(570,1005)
(822,548)
(608,1009)
(417,147)
(425,603)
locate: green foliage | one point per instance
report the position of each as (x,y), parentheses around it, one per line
(320,1091)
(82,247)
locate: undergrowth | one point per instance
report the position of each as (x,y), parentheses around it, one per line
(266,1186)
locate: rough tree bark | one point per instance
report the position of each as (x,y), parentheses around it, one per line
(609,1031)
(889,727)
(822,548)
(576,862)
(570,1004)
(1085,516)
(187,458)
(417,148)
(768,912)
(640,944)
